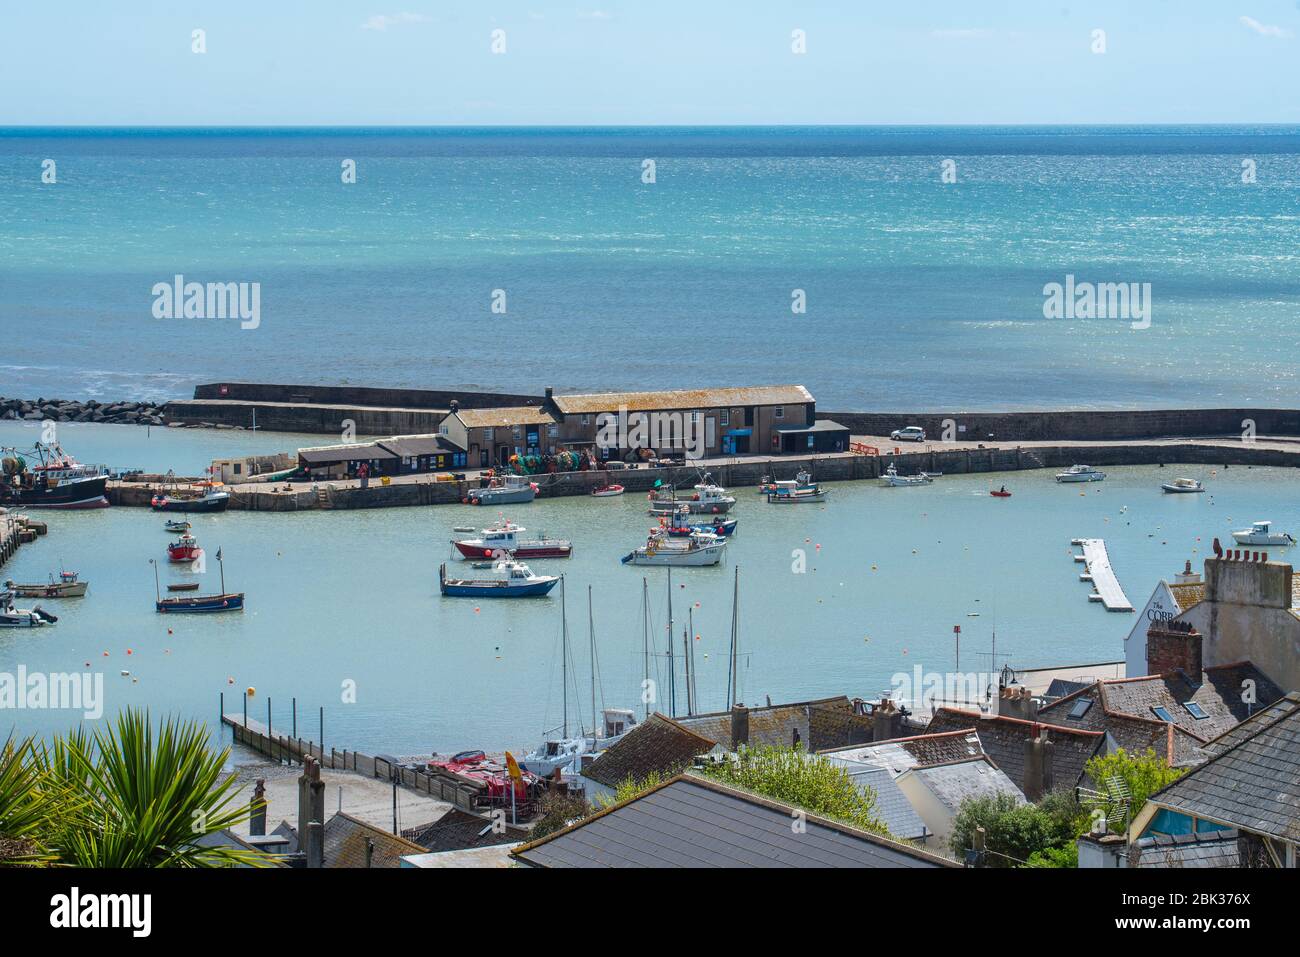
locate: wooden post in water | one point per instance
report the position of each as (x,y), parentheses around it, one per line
(245,710)
(295,717)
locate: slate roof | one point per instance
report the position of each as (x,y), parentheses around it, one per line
(772,725)
(1201,849)
(692,822)
(1234,736)
(962,780)
(1124,709)
(900,754)
(412,445)
(892,807)
(1253,785)
(344,453)
(346,838)
(459,830)
(658,745)
(683,399)
(1003,740)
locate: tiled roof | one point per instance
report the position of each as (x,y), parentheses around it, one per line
(458,830)
(1003,740)
(346,839)
(693,822)
(1200,849)
(900,754)
(772,725)
(683,399)
(1253,785)
(657,745)
(503,418)
(960,781)
(1187,594)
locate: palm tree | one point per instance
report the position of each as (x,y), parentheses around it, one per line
(126,797)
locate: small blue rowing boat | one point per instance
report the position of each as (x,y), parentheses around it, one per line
(509,580)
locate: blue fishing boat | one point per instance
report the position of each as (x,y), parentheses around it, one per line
(507,580)
(224,601)
(723,528)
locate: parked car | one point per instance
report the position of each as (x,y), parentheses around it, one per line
(913,433)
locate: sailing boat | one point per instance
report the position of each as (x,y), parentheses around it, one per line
(563,754)
(225,601)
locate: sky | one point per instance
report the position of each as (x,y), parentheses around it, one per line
(653,62)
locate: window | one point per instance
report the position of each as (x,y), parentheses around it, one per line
(489,434)
(238,467)
(516,431)
(1195,710)
(695,415)
(725,417)
(812,441)
(1080,708)
(1163,714)
(553,431)
(779,412)
(586,420)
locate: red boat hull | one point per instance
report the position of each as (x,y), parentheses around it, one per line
(520,551)
(183,554)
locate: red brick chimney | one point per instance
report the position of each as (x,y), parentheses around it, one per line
(1174,646)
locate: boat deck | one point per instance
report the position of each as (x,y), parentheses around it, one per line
(1106,588)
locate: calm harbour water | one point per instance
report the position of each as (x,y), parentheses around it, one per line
(920,294)
(352,596)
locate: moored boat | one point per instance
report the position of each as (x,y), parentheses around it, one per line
(503,490)
(197,604)
(11,617)
(213,499)
(55,480)
(505,539)
(1261,533)
(173,525)
(698,549)
(1000,492)
(185,549)
(707,498)
(68,586)
(892,479)
(721,527)
(801,489)
(509,579)
(1182,486)
(1080,473)
(607,491)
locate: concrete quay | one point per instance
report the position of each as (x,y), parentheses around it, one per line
(951,459)
(15,531)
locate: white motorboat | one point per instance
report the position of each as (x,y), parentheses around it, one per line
(1080,473)
(564,753)
(505,490)
(1261,533)
(707,498)
(11,617)
(697,549)
(1181,485)
(798,490)
(892,479)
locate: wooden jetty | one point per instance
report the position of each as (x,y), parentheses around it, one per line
(1105,585)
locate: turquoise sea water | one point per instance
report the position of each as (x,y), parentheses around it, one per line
(920,293)
(352,596)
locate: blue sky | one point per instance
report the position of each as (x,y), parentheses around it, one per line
(323,62)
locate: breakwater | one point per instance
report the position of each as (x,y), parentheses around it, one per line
(834,467)
(71,410)
(15,531)
(1078,425)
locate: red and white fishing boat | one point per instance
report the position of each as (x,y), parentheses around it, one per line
(185,549)
(507,539)
(607,491)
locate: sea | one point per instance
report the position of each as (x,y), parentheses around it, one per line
(891,268)
(884,268)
